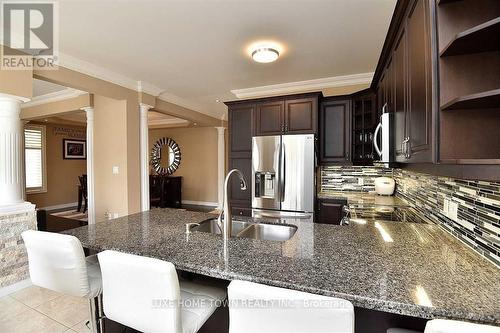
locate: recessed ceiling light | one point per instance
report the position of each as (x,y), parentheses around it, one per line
(265,55)
(217,101)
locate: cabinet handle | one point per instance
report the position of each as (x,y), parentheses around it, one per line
(282,128)
(347,156)
(286,128)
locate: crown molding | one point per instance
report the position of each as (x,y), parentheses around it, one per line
(303,86)
(56,96)
(85,67)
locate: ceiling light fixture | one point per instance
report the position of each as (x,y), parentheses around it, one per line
(265,55)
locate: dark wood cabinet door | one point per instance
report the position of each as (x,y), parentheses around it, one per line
(400,115)
(329,211)
(419,107)
(301,115)
(240,127)
(335,131)
(239,198)
(269,118)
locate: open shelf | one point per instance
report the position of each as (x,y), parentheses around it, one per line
(482,100)
(481,38)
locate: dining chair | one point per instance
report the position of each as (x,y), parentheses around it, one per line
(145,294)
(259,308)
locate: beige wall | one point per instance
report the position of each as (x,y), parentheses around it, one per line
(199,160)
(62,175)
(16,82)
(110,149)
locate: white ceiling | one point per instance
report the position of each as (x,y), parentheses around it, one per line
(196,50)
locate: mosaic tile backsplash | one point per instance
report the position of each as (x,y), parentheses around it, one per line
(351,178)
(477,222)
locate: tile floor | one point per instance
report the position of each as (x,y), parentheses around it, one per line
(39,310)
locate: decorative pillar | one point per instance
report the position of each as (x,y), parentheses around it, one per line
(11,156)
(221,165)
(89,112)
(144,135)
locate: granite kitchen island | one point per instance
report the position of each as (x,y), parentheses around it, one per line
(423,272)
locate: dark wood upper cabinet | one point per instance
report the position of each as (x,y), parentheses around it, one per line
(301,115)
(364,121)
(287,115)
(241,116)
(269,118)
(419,104)
(400,114)
(335,131)
(240,127)
(405,85)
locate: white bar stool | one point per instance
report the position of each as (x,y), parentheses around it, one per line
(145,294)
(57,262)
(258,308)
(455,326)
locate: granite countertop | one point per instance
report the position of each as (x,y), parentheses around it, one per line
(363,198)
(424,272)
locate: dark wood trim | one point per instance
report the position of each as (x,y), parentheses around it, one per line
(470,172)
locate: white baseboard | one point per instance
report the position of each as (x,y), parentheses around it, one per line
(15,287)
(61,206)
(200,203)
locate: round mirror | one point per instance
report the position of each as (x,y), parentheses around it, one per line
(165,156)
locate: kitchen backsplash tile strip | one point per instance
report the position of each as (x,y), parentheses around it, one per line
(477,222)
(347,178)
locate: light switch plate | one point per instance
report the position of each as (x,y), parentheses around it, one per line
(116,170)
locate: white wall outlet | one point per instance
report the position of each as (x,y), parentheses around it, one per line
(453,210)
(115,215)
(361,181)
(116,170)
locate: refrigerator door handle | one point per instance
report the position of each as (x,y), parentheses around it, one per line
(282,173)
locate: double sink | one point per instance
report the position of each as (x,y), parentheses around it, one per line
(246,229)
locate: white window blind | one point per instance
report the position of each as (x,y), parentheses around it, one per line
(34,143)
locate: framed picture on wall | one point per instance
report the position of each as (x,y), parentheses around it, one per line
(74,149)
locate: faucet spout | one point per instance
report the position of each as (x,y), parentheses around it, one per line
(226,223)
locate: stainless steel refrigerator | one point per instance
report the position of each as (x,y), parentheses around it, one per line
(283,173)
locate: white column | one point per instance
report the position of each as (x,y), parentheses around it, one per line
(89,111)
(144,108)
(221,165)
(11,156)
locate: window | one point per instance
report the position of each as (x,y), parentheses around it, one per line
(34,152)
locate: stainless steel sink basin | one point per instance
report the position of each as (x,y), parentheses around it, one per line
(272,232)
(246,229)
(212,227)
